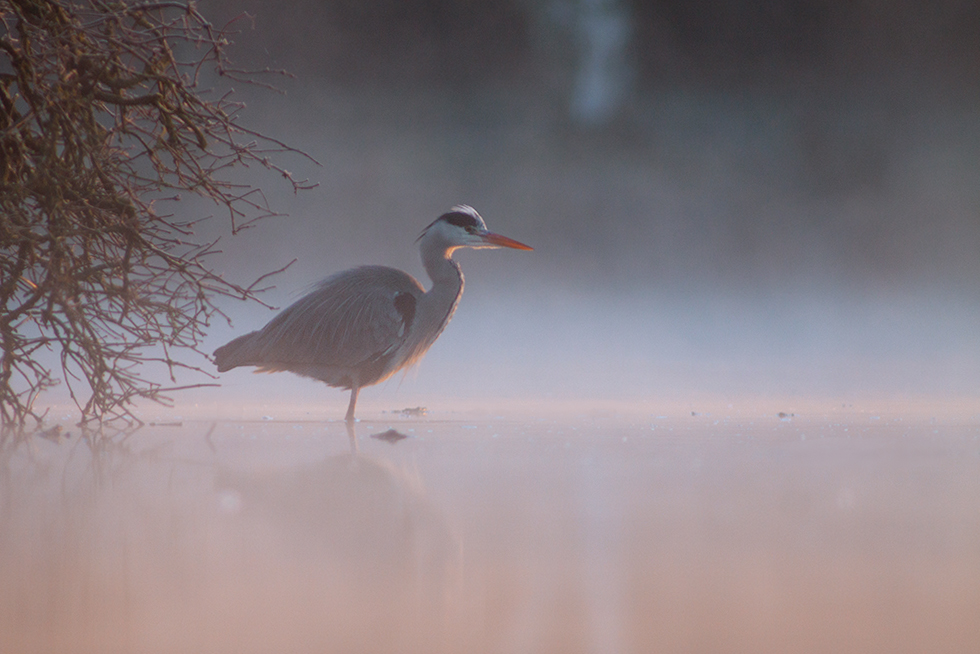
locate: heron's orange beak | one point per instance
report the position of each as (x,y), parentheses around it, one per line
(504,242)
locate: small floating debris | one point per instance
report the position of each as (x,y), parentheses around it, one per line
(167,424)
(53,434)
(390,436)
(782,415)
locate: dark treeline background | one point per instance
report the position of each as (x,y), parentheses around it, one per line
(698,41)
(738,142)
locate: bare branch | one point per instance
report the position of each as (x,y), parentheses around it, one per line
(98,116)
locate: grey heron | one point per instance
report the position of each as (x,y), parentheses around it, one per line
(361,326)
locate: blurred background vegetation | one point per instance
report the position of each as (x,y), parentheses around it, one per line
(740,142)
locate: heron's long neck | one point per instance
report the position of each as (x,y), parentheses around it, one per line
(436,307)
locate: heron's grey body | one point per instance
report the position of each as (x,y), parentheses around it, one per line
(361,326)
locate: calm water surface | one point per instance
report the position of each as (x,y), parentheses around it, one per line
(713,527)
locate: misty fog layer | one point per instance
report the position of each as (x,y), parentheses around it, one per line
(726,242)
(767,198)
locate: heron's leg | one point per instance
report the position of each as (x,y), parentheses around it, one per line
(350,407)
(352,435)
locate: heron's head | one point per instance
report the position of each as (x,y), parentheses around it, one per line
(463,227)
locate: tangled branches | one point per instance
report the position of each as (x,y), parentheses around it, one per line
(101,118)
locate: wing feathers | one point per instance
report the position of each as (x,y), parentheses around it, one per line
(351,322)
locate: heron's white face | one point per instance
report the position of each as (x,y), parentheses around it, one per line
(462,226)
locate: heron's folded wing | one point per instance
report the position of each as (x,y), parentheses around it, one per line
(351,318)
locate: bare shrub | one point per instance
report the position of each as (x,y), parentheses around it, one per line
(103,115)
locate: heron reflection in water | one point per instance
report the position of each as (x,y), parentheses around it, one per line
(361,326)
